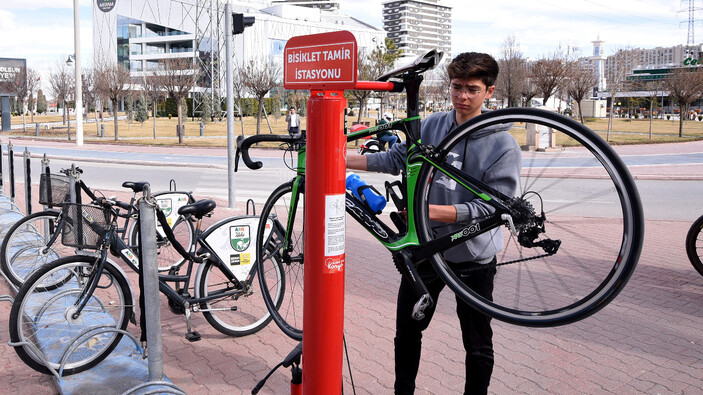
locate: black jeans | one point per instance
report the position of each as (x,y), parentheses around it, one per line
(294,130)
(476,331)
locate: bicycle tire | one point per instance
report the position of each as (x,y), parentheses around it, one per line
(25,247)
(592,206)
(287,313)
(239,315)
(41,315)
(694,244)
(167,256)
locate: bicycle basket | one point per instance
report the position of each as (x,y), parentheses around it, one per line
(54,189)
(85,225)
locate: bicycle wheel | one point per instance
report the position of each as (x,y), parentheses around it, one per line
(240,314)
(694,244)
(26,247)
(167,255)
(590,204)
(283,247)
(41,318)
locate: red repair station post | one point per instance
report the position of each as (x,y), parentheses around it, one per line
(326,64)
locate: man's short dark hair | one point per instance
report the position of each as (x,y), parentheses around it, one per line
(470,65)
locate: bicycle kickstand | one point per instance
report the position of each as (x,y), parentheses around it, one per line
(191,335)
(403,262)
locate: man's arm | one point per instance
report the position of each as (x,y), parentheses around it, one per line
(357,162)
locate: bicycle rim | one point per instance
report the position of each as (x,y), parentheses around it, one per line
(283,248)
(694,244)
(42,316)
(591,205)
(25,247)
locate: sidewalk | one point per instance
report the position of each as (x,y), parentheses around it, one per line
(648,340)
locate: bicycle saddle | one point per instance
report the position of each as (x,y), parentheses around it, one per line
(421,64)
(198,209)
(136,186)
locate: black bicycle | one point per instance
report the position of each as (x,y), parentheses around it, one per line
(33,241)
(694,244)
(65,299)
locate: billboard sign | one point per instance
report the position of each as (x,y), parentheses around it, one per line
(9,69)
(320,61)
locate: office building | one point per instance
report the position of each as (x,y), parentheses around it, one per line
(417,26)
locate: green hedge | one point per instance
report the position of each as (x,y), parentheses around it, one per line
(250,107)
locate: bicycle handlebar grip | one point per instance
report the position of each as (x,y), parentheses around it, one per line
(243,145)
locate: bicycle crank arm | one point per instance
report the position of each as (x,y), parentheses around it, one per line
(405,266)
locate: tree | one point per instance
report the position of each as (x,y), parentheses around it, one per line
(141,114)
(513,72)
(41,102)
(62,83)
(685,86)
(129,108)
(580,81)
(621,64)
(112,80)
(177,77)
(206,105)
(153,93)
(365,73)
(548,74)
(382,60)
(33,80)
(260,76)
(18,86)
(90,95)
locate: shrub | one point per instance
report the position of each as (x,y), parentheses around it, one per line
(169,116)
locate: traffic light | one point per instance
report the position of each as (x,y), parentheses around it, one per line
(240,22)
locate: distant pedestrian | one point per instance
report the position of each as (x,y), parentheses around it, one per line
(293,120)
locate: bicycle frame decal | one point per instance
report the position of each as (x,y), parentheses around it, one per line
(366,220)
(475,228)
(240,237)
(227,240)
(129,255)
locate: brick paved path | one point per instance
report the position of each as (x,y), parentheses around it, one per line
(649,340)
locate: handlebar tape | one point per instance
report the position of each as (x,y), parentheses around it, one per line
(243,146)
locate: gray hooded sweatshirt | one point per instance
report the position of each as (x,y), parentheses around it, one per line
(491,155)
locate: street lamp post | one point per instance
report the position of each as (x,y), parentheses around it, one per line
(79,82)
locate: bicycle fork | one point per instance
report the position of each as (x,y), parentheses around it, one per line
(403,261)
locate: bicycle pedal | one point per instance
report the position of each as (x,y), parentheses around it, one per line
(193,336)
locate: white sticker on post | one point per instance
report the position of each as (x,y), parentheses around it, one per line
(334,224)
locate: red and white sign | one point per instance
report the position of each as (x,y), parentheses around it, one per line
(320,61)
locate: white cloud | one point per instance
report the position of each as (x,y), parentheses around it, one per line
(39,4)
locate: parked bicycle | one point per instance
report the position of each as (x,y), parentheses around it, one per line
(572,236)
(33,240)
(694,244)
(65,298)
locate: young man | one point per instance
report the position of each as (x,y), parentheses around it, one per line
(491,155)
(293,120)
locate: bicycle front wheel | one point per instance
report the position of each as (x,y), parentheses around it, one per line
(280,244)
(26,246)
(694,244)
(590,205)
(45,321)
(235,309)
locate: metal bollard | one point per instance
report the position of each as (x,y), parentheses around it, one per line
(152,308)
(11,164)
(45,170)
(202,128)
(36,129)
(27,182)
(72,177)
(102,130)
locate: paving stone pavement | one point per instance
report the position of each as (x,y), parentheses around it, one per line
(648,340)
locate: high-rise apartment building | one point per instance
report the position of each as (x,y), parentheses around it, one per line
(417,26)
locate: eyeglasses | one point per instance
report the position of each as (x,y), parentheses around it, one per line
(471,92)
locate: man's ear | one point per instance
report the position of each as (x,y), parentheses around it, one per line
(489,91)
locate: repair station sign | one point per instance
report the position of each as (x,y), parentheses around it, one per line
(320,61)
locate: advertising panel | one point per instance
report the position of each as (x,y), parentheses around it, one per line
(9,69)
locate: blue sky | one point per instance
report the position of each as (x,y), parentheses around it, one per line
(42,30)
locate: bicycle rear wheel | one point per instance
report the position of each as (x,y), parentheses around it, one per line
(280,243)
(26,248)
(244,311)
(591,206)
(694,244)
(42,318)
